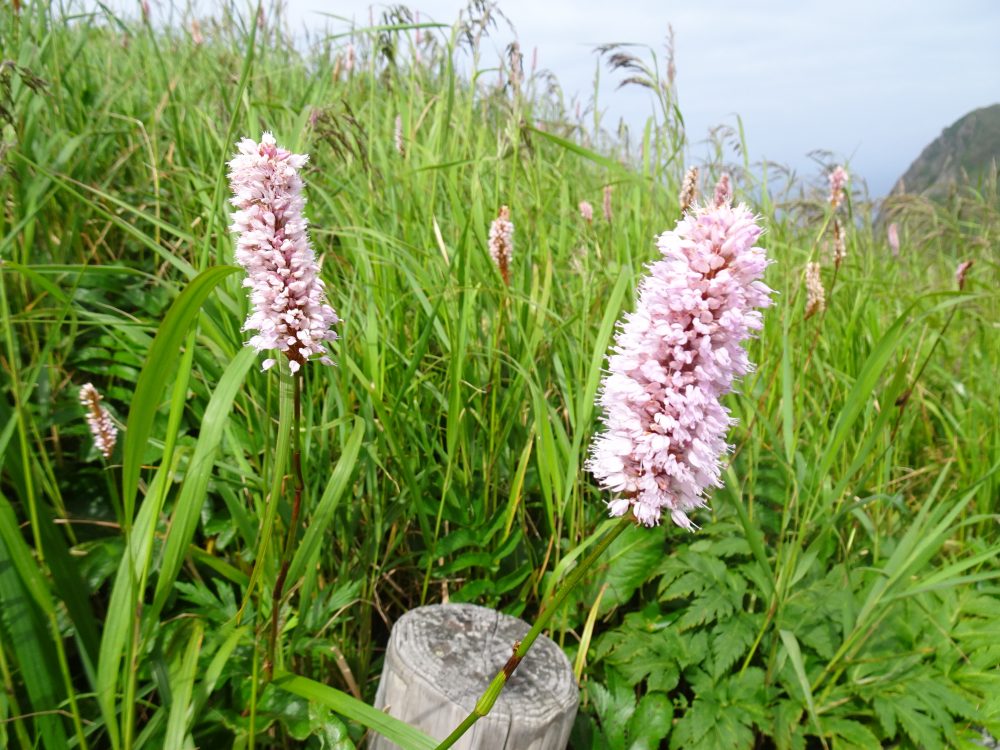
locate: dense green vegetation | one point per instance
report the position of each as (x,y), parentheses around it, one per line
(841,593)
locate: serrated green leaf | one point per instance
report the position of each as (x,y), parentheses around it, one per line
(614,703)
(651,722)
(630,560)
(848,734)
(730,642)
(917,725)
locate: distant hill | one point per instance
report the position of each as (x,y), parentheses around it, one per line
(962,153)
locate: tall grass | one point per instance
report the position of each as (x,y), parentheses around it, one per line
(442,455)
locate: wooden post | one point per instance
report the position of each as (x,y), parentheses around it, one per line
(441,658)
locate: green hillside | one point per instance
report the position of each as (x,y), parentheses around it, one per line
(964,153)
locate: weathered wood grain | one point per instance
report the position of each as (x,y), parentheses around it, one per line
(441,658)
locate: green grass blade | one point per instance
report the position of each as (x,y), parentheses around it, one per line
(402,734)
(192,495)
(153,378)
(23,625)
(181,689)
(309,548)
(795,655)
(861,391)
(278,466)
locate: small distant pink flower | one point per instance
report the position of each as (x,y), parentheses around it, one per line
(838,179)
(689,189)
(674,358)
(196,36)
(586,211)
(607,203)
(723,190)
(102,429)
(815,294)
(501,243)
(960,272)
(839,243)
(290,311)
(398,136)
(893,235)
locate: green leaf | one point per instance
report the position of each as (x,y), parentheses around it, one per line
(861,392)
(631,558)
(308,549)
(191,498)
(651,722)
(153,379)
(885,710)
(593,156)
(795,656)
(916,723)
(22,623)
(182,688)
(850,735)
(407,737)
(614,704)
(786,726)
(732,638)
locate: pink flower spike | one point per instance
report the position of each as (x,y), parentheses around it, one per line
(893,235)
(501,243)
(398,136)
(689,189)
(102,429)
(290,310)
(723,190)
(586,211)
(674,358)
(838,179)
(963,268)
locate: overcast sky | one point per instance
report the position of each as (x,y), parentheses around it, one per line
(874,82)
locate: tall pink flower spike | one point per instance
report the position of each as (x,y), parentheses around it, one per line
(290,311)
(675,357)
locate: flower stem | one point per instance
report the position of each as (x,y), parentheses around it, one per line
(487,699)
(293,525)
